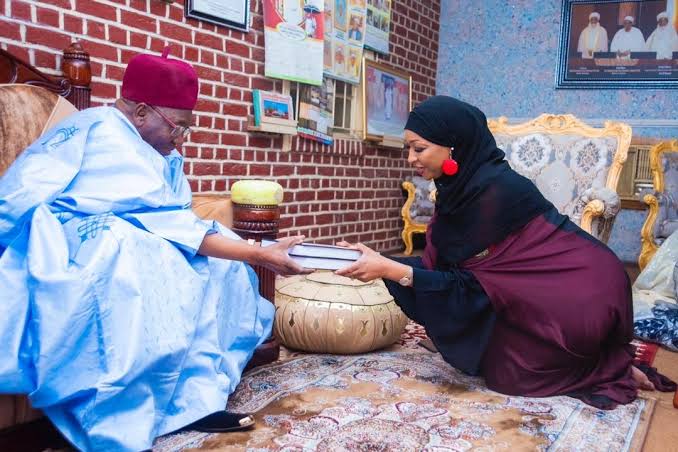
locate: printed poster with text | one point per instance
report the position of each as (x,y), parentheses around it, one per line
(293,35)
(378,24)
(344,39)
(316,106)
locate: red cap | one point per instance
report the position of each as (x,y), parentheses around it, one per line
(160,81)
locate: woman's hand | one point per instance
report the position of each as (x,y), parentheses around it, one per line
(371,265)
(275,257)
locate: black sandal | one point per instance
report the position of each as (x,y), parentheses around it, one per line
(222,422)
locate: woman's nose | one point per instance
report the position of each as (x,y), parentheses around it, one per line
(411,156)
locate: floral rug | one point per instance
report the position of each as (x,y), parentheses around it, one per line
(406,400)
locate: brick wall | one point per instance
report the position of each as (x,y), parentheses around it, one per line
(350,190)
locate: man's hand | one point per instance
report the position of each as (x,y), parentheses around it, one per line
(275,257)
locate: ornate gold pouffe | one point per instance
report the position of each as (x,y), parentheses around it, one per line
(326,313)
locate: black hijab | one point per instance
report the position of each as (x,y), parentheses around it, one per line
(485,200)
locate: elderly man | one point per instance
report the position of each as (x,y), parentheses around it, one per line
(664,39)
(628,39)
(593,38)
(112,317)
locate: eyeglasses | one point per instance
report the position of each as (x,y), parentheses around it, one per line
(177,131)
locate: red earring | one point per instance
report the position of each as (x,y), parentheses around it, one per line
(450,166)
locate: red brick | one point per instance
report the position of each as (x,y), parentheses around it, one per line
(232,139)
(206,185)
(205,137)
(176,13)
(207,106)
(211,41)
(260,170)
(236,65)
(45,60)
(72,24)
(48,38)
(172,31)
(158,45)
(234,109)
(117,35)
(262,84)
(303,220)
(138,40)
(206,169)
(236,79)
(96,30)
(236,48)
(259,142)
(21,10)
(140,21)
(191,53)
(114,72)
(10,31)
(103,51)
(48,17)
(159,9)
(105,90)
(207,57)
(139,5)
(235,169)
(96,9)
(235,94)
(208,73)
(220,185)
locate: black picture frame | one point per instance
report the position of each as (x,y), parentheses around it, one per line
(193,13)
(605,70)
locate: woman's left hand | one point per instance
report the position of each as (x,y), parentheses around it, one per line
(371,264)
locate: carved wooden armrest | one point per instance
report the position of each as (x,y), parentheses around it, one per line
(405,212)
(647,240)
(599,202)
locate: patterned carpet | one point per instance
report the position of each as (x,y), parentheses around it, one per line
(405,400)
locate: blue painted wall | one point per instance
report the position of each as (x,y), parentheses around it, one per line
(501,55)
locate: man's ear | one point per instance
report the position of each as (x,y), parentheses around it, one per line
(140,114)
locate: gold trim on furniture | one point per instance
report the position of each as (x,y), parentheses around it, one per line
(410,227)
(647,239)
(569,125)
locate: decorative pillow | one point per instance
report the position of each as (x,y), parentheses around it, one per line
(257,192)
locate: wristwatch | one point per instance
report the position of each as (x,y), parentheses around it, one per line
(407,280)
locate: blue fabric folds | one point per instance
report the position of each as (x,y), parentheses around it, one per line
(108,319)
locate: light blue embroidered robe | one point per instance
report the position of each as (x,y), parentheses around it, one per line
(109,320)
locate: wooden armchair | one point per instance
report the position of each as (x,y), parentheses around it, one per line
(44,100)
(575,166)
(418,208)
(662,215)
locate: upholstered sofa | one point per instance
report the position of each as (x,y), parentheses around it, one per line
(31,103)
(577,167)
(662,215)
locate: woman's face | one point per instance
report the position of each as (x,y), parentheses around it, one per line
(427,158)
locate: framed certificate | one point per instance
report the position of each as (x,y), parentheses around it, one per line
(230,13)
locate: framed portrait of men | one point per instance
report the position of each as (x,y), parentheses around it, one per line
(618,44)
(229,13)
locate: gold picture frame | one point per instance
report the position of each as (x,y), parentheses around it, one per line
(387,95)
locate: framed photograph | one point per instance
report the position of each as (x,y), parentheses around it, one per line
(273,112)
(387,95)
(229,13)
(618,44)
